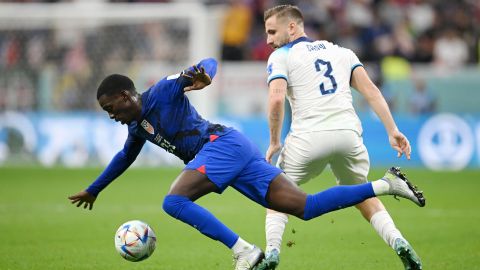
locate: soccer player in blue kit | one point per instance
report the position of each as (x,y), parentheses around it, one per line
(216,157)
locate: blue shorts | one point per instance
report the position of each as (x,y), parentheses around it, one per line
(233,160)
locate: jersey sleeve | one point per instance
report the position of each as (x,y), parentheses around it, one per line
(352,59)
(277,65)
(120,162)
(172,86)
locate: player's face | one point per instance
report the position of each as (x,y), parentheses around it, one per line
(277,32)
(120,107)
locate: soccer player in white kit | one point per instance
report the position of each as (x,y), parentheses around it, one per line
(316,77)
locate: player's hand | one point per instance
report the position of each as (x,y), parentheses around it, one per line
(271,151)
(83,198)
(399,142)
(199,78)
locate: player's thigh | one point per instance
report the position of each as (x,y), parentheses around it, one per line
(192,184)
(224,159)
(304,156)
(351,163)
(286,197)
(255,179)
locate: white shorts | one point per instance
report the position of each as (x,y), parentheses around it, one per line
(306,155)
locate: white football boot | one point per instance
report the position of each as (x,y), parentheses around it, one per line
(247,259)
(402,187)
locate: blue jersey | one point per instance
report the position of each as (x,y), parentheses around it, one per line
(171,122)
(167,120)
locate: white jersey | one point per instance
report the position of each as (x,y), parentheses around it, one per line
(318,77)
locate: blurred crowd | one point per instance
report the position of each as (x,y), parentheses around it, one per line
(434,32)
(59,69)
(425,31)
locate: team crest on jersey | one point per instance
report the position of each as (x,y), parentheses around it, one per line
(147,126)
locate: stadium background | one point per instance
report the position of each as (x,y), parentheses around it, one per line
(424,54)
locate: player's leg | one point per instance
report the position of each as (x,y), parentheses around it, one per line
(220,162)
(374,211)
(275,223)
(351,168)
(301,159)
(268,186)
(284,196)
(179,203)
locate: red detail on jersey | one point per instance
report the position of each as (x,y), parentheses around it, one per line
(202,169)
(213,137)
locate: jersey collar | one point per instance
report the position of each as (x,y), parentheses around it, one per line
(300,39)
(144,97)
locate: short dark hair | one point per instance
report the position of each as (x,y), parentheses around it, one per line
(114,84)
(287,11)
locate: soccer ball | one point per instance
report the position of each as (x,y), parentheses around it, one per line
(135,240)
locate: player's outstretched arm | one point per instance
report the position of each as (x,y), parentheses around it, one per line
(200,75)
(120,162)
(361,82)
(83,198)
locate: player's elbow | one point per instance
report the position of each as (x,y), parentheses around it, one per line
(128,156)
(211,60)
(373,95)
(277,101)
(210,66)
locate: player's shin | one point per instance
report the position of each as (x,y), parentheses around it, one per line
(336,198)
(383,224)
(184,209)
(274,228)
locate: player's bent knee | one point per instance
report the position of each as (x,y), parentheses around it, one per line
(298,213)
(306,218)
(173,204)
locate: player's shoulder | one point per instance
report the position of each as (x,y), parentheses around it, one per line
(168,86)
(158,93)
(330,45)
(279,54)
(336,50)
(342,49)
(149,99)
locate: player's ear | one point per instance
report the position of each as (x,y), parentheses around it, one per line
(126,96)
(292,25)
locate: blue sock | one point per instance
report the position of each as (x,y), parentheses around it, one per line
(336,198)
(182,208)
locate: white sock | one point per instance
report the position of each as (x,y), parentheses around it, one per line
(385,227)
(380,187)
(274,228)
(241,245)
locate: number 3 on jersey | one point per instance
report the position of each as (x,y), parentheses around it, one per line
(319,64)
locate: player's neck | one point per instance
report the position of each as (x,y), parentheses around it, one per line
(298,35)
(139,107)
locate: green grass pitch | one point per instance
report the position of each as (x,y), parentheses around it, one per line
(40,229)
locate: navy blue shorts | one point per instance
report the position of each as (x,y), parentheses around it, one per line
(233,160)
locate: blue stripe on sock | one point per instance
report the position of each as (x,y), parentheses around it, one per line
(336,198)
(182,208)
